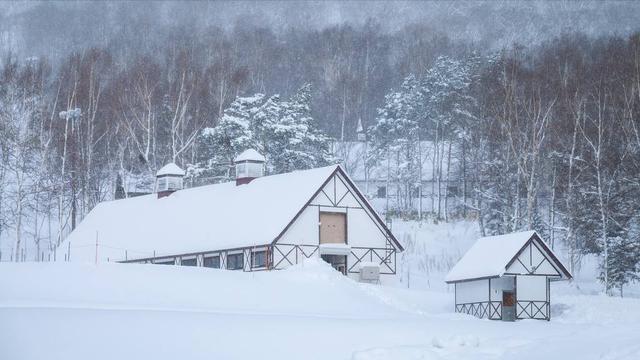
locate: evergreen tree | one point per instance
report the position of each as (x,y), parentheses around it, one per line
(283,131)
(294,141)
(622,262)
(396,135)
(220,144)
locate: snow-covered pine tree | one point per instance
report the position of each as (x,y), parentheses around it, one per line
(220,144)
(624,253)
(283,131)
(294,142)
(396,136)
(446,116)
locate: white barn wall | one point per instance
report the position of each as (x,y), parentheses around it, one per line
(362,230)
(472,291)
(531,288)
(304,230)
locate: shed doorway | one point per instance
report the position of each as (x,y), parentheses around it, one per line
(338,262)
(508,306)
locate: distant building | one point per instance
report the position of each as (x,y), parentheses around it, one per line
(440,180)
(507,277)
(254,223)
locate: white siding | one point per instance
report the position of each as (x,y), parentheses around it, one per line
(362,230)
(472,291)
(531,288)
(501,284)
(304,230)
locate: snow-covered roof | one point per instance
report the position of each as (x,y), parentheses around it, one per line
(249,155)
(204,218)
(489,256)
(170,169)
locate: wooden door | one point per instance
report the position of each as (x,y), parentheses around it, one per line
(508,306)
(508,298)
(333,228)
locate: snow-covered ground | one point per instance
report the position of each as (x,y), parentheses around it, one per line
(125,311)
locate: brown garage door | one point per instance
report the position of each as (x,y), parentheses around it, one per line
(333,228)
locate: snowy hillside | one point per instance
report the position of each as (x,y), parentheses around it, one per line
(118,311)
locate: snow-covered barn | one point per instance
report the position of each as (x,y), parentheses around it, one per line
(507,277)
(253,223)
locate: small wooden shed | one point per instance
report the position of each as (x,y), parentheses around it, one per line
(507,277)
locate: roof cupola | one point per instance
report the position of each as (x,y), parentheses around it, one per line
(169,179)
(249,165)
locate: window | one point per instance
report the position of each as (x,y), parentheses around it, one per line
(162,184)
(174,183)
(169,183)
(165,262)
(235,261)
(382,191)
(189,262)
(254,169)
(241,170)
(249,169)
(259,259)
(212,262)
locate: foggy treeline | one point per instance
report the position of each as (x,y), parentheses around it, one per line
(540,103)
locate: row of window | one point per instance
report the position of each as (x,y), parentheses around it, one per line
(234,261)
(381,191)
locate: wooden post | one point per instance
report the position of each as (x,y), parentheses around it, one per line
(69,251)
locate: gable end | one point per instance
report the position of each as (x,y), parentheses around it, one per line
(547,261)
(336,197)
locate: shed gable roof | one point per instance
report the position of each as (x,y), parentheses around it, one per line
(491,256)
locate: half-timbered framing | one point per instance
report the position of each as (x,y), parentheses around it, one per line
(507,278)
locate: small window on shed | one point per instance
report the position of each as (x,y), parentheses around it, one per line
(189,262)
(235,261)
(382,191)
(212,262)
(258,259)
